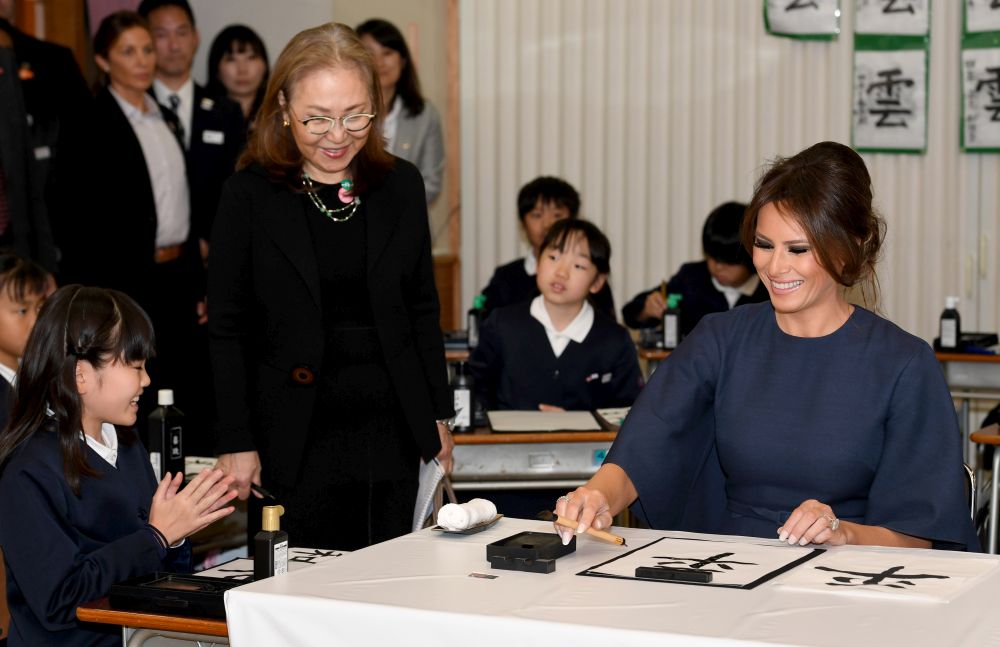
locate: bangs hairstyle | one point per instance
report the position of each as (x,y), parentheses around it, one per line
(21,277)
(550,190)
(564,232)
(332,46)
(76,323)
(827,190)
(388,35)
(236,39)
(720,237)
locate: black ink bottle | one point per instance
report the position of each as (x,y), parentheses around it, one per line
(475,319)
(270,545)
(166,435)
(672,322)
(951,325)
(461,387)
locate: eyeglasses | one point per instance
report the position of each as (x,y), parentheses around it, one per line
(317,125)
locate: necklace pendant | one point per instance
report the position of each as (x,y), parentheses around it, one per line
(344,195)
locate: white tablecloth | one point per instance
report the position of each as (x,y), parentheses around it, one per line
(416,590)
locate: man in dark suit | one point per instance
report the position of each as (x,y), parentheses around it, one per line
(24,224)
(213,134)
(55,97)
(212,128)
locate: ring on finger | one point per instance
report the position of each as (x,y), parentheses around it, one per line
(563,498)
(832,522)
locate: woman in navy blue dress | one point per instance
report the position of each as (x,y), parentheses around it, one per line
(808,418)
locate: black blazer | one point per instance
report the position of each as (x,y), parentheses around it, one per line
(29,223)
(114,227)
(57,99)
(265,316)
(218,135)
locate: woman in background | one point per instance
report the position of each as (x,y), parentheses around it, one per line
(238,69)
(412,127)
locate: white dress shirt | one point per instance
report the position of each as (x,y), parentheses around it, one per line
(167,173)
(733,294)
(530,265)
(576,330)
(8,374)
(185,109)
(108,449)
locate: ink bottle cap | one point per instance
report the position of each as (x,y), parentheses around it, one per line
(165,397)
(271,521)
(479,302)
(951,303)
(673,300)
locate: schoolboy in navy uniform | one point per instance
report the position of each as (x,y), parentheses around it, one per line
(724,280)
(24,285)
(557,351)
(540,203)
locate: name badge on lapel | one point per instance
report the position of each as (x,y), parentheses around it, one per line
(213,137)
(207,103)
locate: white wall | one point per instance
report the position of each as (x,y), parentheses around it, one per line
(659,110)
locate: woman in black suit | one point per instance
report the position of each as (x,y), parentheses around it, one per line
(323,314)
(129,215)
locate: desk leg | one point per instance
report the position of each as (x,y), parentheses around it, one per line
(994,504)
(140,637)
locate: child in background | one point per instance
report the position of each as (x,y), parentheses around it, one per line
(80,506)
(23,288)
(724,280)
(556,351)
(540,203)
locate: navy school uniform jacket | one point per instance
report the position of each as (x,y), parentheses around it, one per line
(699,298)
(510,284)
(62,550)
(514,366)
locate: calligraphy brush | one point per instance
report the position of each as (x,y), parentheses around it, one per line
(548,515)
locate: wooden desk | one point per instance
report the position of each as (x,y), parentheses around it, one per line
(100,611)
(518,461)
(971,376)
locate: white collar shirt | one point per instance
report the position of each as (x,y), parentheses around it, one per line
(165,165)
(8,374)
(107,447)
(577,329)
(530,265)
(733,294)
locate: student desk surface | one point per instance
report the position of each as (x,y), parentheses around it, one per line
(526,461)
(100,611)
(417,590)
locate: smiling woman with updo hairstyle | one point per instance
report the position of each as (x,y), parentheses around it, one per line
(807,418)
(326,349)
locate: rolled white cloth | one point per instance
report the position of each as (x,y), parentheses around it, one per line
(462,516)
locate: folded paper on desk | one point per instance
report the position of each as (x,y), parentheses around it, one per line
(430,475)
(535,421)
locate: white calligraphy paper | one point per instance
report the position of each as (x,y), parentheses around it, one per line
(982,15)
(739,564)
(926,575)
(241,569)
(804,17)
(898,17)
(981,98)
(890,100)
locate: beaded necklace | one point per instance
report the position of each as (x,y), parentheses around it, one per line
(344,194)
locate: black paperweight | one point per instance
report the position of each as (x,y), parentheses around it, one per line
(531,552)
